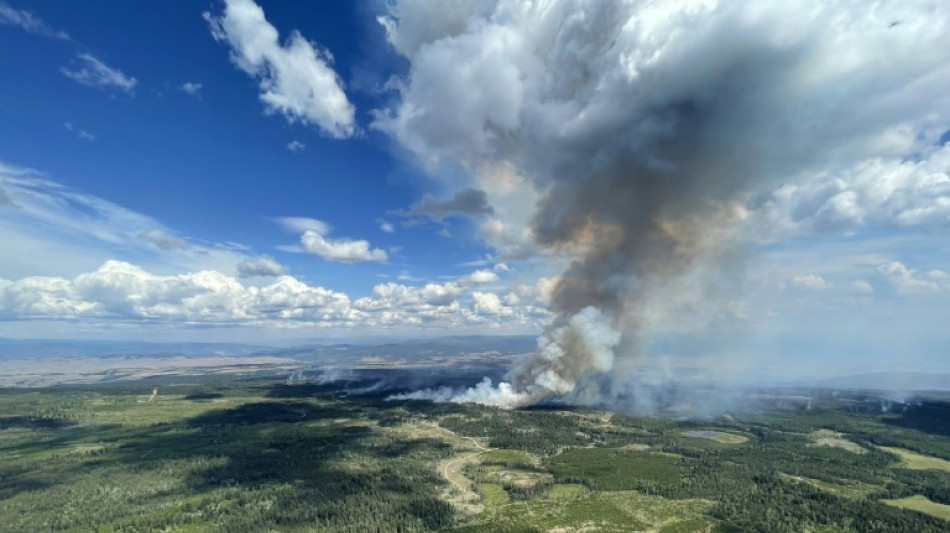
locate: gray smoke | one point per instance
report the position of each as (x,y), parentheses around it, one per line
(646,128)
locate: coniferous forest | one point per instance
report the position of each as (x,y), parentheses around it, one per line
(251,455)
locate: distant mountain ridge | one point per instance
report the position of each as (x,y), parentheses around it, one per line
(409,350)
(55,349)
(12,349)
(886,381)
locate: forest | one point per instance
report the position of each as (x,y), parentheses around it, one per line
(255,454)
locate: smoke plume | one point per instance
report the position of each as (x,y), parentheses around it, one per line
(647,128)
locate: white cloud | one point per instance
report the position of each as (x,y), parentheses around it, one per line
(91,72)
(874,192)
(121,291)
(296,146)
(480,276)
(909,281)
(191,88)
(28,22)
(314,241)
(295,78)
(302,224)
(810,281)
(341,250)
(387,227)
(260,266)
(390,296)
(488,303)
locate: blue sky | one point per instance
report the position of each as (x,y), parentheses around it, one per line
(211,165)
(258,170)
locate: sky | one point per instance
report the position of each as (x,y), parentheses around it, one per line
(256,171)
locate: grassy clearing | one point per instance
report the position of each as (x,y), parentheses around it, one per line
(516,477)
(612,512)
(492,494)
(851,489)
(717,436)
(693,525)
(916,461)
(614,469)
(510,458)
(566,491)
(923,505)
(833,439)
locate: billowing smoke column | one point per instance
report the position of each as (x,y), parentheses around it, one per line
(647,129)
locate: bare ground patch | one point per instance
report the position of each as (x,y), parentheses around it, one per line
(833,439)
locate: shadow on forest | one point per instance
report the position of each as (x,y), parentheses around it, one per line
(204,396)
(929,417)
(33,422)
(273,445)
(303,390)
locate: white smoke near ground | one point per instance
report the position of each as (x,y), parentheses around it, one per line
(645,129)
(584,344)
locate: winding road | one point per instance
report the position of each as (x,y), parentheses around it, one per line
(452,471)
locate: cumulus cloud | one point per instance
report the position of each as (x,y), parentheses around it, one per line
(296,78)
(314,241)
(878,192)
(391,296)
(192,88)
(118,291)
(341,250)
(470,202)
(261,266)
(488,303)
(28,22)
(296,146)
(386,226)
(909,281)
(480,276)
(88,70)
